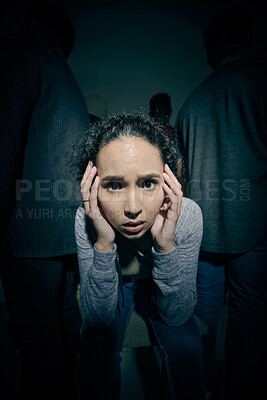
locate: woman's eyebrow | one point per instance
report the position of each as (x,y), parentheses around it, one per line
(115,178)
(148,176)
(112,178)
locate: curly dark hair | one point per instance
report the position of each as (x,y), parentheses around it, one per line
(115,127)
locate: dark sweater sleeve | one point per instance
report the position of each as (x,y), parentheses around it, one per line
(20,85)
(175,273)
(98,275)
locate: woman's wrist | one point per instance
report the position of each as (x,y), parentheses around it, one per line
(164,249)
(104,247)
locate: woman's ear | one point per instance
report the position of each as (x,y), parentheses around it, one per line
(166,202)
(165,194)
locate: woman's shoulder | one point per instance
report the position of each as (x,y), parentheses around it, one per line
(190,208)
(190,220)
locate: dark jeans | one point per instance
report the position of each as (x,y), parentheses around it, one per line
(245,277)
(101,347)
(44,322)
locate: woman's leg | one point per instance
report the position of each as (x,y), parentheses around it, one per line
(182,353)
(100,348)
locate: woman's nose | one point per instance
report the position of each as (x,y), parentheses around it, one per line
(132,207)
(132,215)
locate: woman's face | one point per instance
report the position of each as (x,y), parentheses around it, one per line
(130,191)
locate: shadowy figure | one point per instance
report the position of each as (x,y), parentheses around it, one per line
(42,113)
(223,127)
(160,110)
(97,107)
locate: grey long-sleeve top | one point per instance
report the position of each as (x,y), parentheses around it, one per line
(174,273)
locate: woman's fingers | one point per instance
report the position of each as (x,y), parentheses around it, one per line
(173,198)
(171,179)
(89,190)
(93,195)
(172,187)
(87,183)
(87,172)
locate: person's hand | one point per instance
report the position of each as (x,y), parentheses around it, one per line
(163,229)
(89,190)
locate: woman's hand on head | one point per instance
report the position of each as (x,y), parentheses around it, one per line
(89,190)
(163,229)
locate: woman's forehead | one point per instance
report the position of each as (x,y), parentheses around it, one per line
(130,152)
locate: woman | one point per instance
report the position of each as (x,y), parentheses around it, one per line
(138,242)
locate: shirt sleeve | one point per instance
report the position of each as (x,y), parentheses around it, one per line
(175,273)
(98,275)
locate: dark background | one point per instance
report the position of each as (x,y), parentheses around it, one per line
(126,51)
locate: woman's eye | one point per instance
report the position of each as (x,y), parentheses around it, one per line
(149,184)
(112,186)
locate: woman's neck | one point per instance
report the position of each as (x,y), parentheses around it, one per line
(142,244)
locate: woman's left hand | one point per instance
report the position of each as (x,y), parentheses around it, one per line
(164,227)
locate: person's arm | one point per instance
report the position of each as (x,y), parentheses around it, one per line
(175,272)
(98,275)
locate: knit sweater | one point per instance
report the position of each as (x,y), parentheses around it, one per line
(173,273)
(43,113)
(223,125)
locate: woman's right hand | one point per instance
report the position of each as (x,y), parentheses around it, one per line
(105,233)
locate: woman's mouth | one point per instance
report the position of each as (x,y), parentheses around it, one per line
(134,227)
